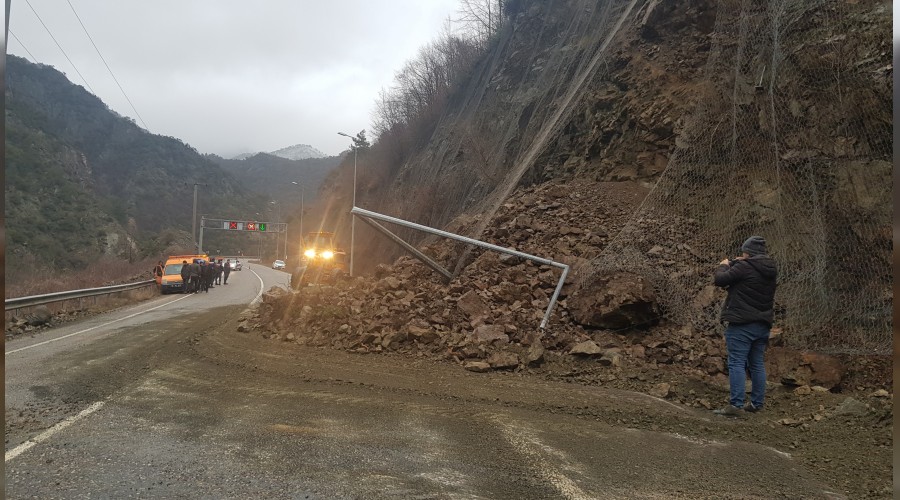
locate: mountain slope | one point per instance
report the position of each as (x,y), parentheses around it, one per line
(295,152)
(83,181)
(272,175)
(299,152)
(741,119)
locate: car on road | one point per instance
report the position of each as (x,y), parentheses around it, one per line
(170,281)
(236,265)
(278,264)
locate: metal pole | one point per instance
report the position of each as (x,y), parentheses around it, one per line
(200,245)
(448,276)
(301,219)
(353,217)
(302,191)
(194,219)
(510,251)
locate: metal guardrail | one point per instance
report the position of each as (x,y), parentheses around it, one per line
(36,300)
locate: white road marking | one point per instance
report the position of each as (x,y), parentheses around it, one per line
(95,327)
(530,446)
(261,286)
(18,450)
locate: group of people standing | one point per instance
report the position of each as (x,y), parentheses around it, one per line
(200,275)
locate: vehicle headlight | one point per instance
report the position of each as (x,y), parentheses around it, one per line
(327,254)
(165,281)
(310,253)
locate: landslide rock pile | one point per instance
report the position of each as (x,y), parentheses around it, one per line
(489,316)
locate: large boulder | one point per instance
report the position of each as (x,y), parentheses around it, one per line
(586,348)
(615,301)
(473,306)
(535,355)
(803,368)
(503,360)
(40,316)
(490,333)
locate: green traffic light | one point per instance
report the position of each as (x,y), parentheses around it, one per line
(262,226)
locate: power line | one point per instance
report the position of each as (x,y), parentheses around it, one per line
(107,65)
(60,47)
(23,46)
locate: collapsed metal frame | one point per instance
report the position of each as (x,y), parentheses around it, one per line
(369,217)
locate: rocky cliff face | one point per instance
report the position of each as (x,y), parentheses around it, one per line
(734,119)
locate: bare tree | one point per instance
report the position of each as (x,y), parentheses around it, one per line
(482,18)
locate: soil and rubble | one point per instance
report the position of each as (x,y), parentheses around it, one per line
(823,408)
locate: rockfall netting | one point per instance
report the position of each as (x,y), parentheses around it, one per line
(790,139)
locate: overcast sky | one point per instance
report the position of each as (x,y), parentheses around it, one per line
(229,76)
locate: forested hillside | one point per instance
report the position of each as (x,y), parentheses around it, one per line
(273,175)
(83,181)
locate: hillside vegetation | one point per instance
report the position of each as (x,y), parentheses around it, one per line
(272,175)
(83,182)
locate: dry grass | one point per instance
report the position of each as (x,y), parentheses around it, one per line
(107,271)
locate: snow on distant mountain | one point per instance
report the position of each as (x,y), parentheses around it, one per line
(299,152)
(295,152)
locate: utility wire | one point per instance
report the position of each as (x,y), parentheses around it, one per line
(23,46)
(107,65)
(60,47)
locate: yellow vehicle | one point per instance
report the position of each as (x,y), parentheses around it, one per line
(171,278)
(322,261)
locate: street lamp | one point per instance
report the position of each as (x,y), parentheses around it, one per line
(194,218)
(200,243)
(277,216)
(301,213)
(258,240)
(352,217)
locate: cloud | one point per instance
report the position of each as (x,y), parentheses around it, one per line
(229,76)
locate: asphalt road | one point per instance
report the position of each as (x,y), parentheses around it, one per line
(168,400)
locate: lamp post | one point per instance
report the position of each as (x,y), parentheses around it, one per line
(258,240)
(200,243)
(277,216)
(301,215)
(352,217)
(194,218)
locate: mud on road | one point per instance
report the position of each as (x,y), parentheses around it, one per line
(211,398)
(842,439)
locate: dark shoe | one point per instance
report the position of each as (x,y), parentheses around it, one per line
(750,408)
(729,411)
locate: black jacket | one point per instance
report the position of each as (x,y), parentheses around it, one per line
(751,289)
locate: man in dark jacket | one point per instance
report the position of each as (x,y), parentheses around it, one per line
(205,275)
(226,270)
(748,313)
(185,277)
(195,276)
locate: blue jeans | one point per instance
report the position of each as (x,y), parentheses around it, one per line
(747,349)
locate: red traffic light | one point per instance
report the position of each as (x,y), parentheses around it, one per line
(250,226)
(232,225)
